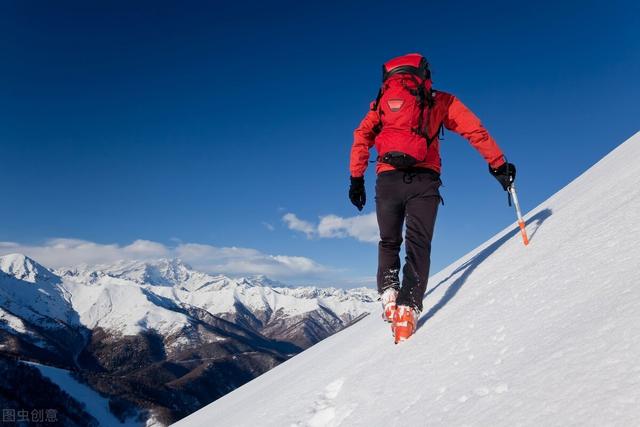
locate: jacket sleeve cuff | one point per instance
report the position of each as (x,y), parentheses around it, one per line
(497,163)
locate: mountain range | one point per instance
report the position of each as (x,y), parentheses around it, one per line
(157,339)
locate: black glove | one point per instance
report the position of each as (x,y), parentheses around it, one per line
(356,192)
(505,174)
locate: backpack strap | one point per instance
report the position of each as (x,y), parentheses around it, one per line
(374,107)
(439,132)
(420,95)
(421,71)
(403,69)
(431,101)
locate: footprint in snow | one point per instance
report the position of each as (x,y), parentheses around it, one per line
(481,391)
(323,413)
(501,388)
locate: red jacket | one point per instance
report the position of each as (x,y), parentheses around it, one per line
(449,111)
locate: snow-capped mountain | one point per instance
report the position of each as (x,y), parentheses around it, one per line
(33,293)
(37,318)
(189,336)
(133,296)
(24,268)
(546,334)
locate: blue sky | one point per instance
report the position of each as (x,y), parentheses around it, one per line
(194,128)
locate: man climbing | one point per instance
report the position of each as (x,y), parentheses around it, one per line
(404,124)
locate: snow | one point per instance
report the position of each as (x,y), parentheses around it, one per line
(131,297)
(96,405)
(24,268)
(9,321)
(33,293)
(14,324)
(123,307)
(510,335)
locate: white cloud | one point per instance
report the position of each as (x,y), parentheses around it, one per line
(234,260)
(362,227)
(296,224)
(268,226)
(66,252)
(147,248)
(58,253)
(297,263)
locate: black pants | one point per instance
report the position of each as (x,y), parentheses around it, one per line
(412,197)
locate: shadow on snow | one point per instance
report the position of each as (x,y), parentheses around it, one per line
(468,267)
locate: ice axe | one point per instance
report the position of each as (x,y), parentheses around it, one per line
(512,192)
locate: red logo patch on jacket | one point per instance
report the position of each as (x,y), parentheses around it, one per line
(395,104)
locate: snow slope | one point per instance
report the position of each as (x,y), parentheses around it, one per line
(94,404)
(510,335)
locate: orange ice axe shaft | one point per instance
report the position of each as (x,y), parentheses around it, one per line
(523,230)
